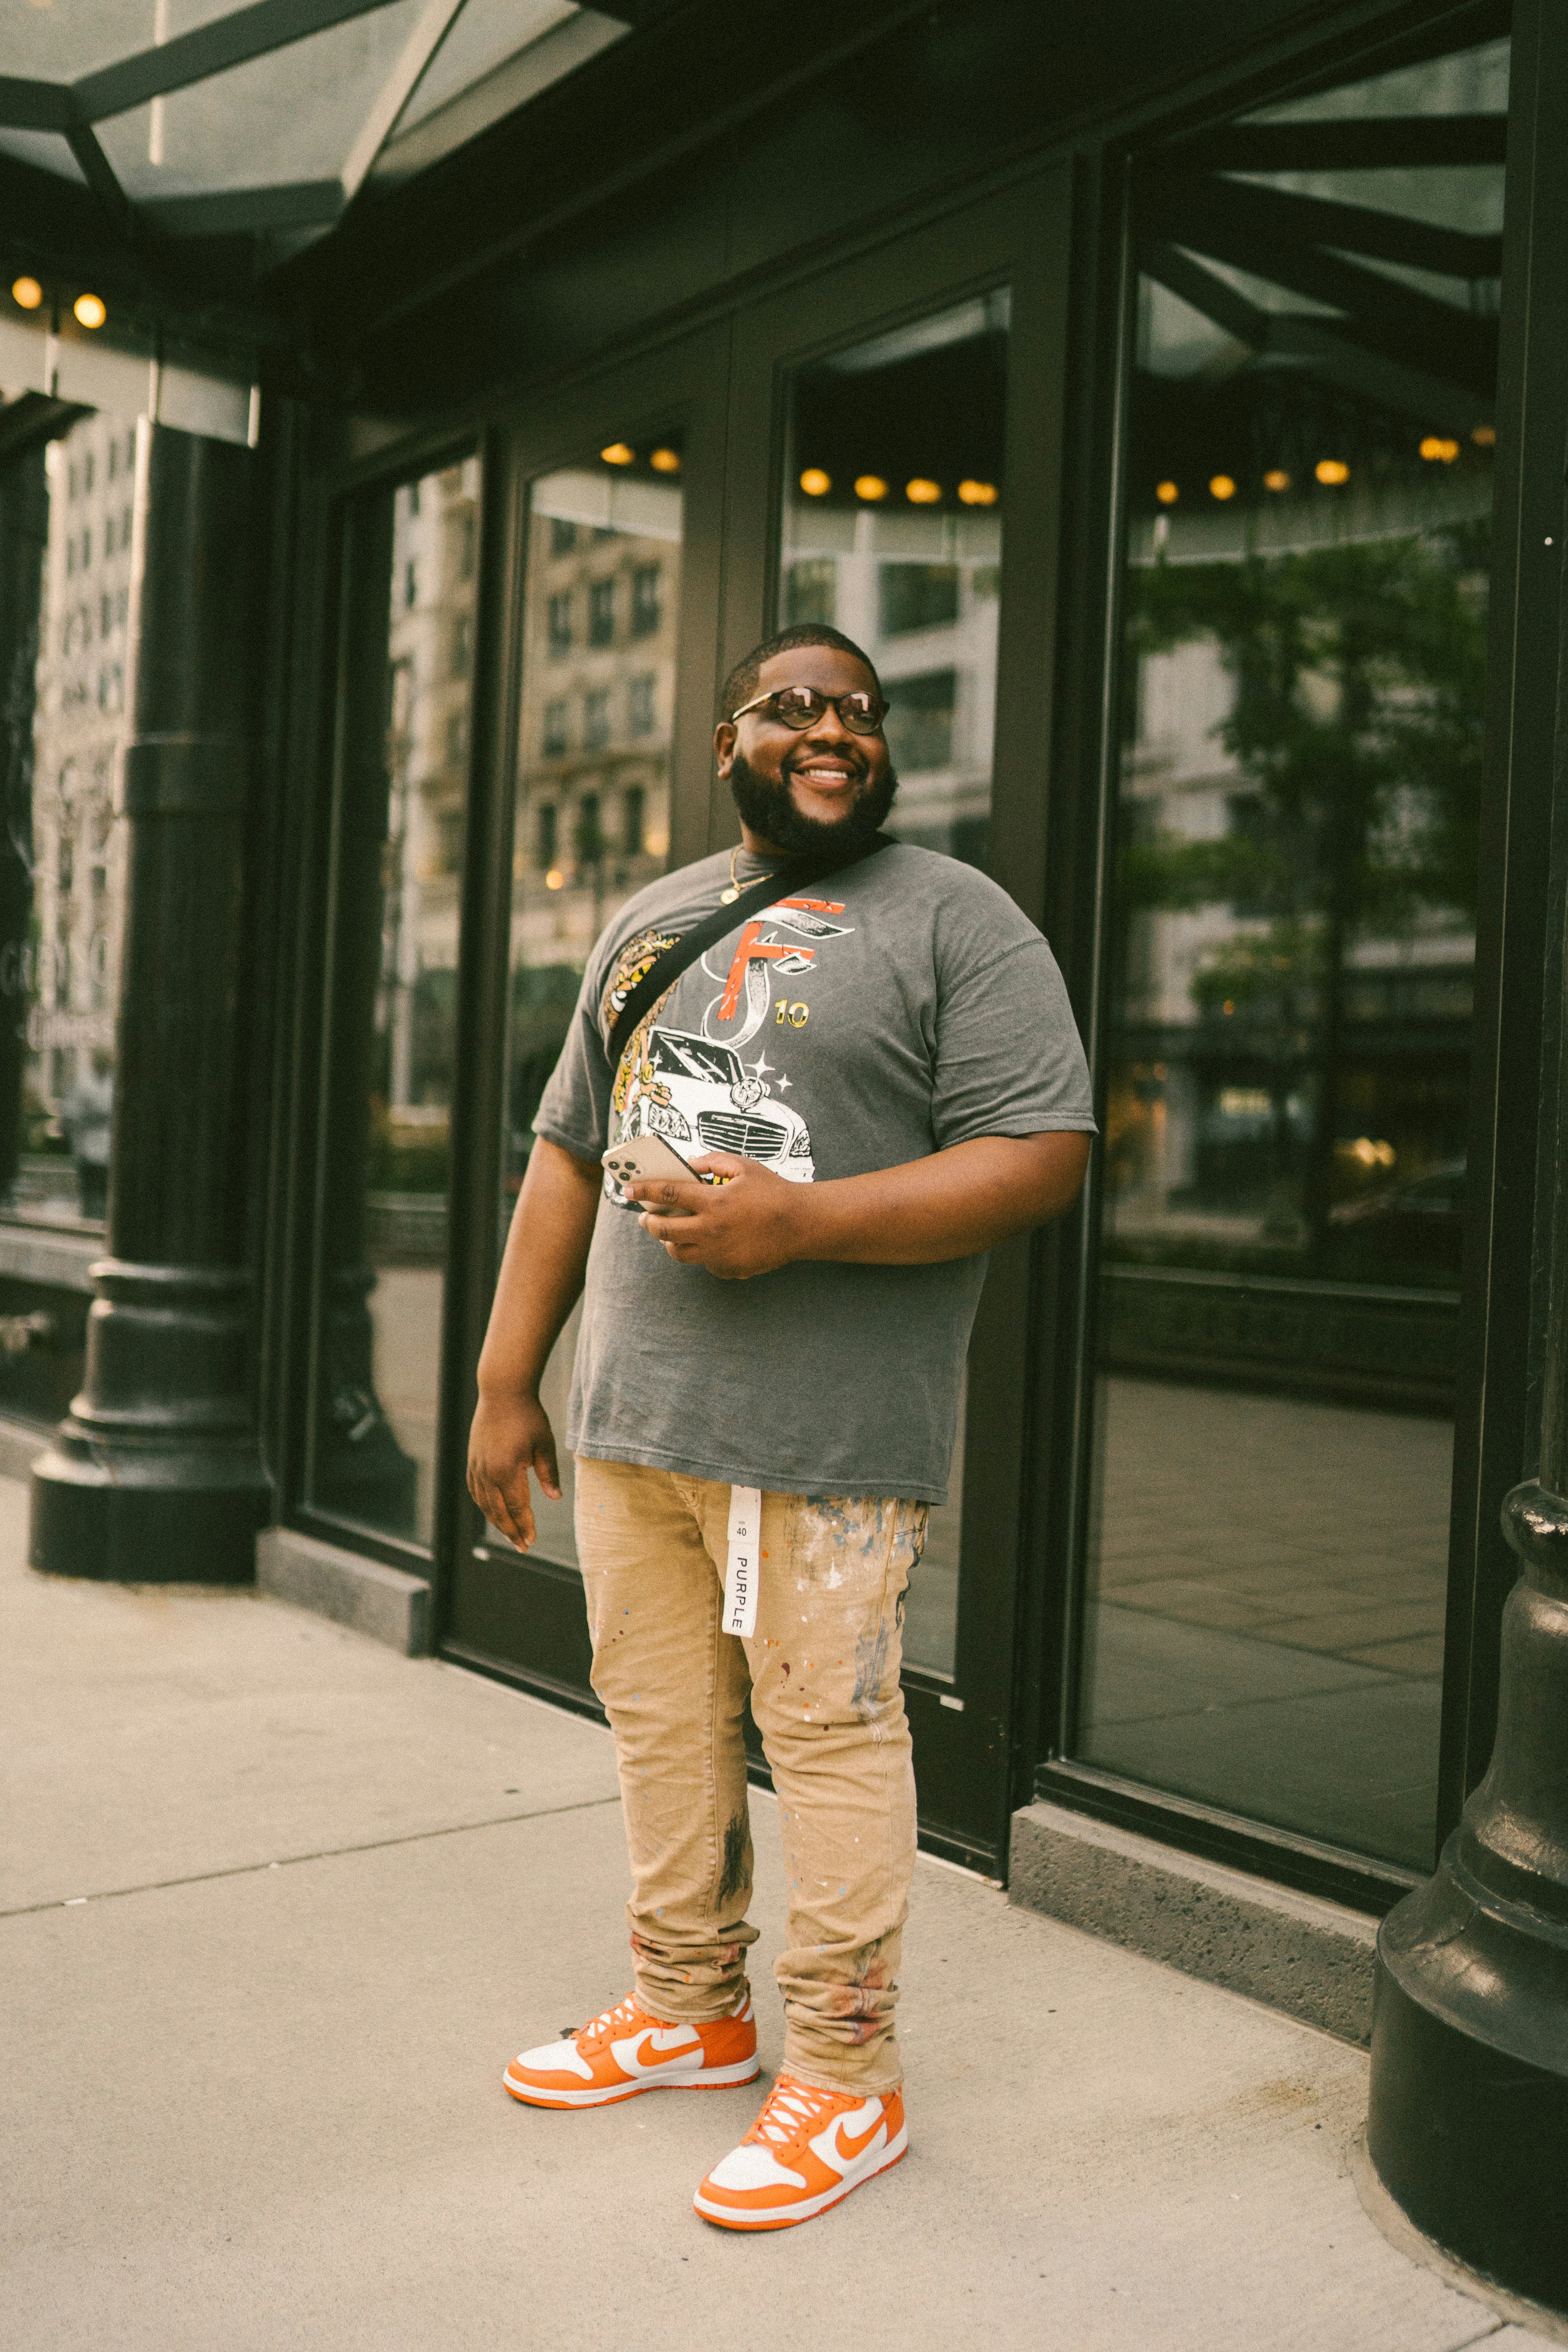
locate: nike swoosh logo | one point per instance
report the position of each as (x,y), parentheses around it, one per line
(631,2055)
(846,2150)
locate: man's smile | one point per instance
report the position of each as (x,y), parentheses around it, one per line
(824,774)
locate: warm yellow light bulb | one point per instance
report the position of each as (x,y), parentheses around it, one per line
(921,493)
(619,453)
(978,494)
(1483,436)
(1276,478)
(666,461)
(1221,487)
(1167,493)
(815,483)
(1332,471)
(90,310)
(870,486)
(555,879)
(26,293)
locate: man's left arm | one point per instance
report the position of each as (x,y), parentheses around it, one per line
(952,1203)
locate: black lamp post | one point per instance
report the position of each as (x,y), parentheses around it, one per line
(1468,2121)
(155,1474)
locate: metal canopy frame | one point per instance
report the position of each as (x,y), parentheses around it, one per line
(74,108)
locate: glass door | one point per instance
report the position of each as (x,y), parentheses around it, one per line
(400,825)
(600,609)
(607,663)
(1304,597)
(911,403)
(890,528)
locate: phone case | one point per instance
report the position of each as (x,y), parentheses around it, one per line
(644,1156)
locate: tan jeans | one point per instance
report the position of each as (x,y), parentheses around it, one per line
(822,1672)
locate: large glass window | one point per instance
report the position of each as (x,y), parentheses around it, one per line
(600,616)
(397,867)
(1305,599)
(892,532)
(68,521)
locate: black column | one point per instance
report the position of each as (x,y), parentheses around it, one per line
(155,1474)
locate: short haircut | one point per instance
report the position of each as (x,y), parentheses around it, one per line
(744,680)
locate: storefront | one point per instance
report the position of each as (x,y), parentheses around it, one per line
(1169,401)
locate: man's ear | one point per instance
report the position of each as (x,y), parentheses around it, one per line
(724,739)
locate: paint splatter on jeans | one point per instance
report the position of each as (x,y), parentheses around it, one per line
(822,1673)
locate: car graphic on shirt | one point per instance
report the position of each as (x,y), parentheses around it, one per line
(700,1097)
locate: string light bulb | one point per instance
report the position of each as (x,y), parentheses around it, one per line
(1483,436)
(1221,487)
(1438,449)
(815,483)
(1167,493)
(870,486)
(26,293)
(978,494)
(1276,478)
(619,453)
(665,461)
(1332,470)
(922,492)
(555,879)
(90,310)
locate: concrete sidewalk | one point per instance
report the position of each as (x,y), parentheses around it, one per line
(279,1904)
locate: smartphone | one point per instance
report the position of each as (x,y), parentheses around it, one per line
(647,1156)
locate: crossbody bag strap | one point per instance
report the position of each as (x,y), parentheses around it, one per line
(666,969)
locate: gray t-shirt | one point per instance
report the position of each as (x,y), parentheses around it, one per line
(877,1016)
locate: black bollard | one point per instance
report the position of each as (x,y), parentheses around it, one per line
(1468,2118)
(155,1474)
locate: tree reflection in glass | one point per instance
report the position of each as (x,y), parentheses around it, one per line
(1304,601)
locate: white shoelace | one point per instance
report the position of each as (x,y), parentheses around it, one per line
(599,2028)
(792,2113)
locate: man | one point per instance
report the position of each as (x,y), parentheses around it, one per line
(893,1049)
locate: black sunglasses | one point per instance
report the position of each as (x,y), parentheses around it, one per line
(801,706)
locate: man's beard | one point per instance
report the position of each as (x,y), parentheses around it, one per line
(770,811)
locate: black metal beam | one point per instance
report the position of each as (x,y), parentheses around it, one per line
(1399,322)
(1187,206)
(1212,296)
(1371,142)
(231,212)
(227,41)
(1416,379)
(36,105)
(99,173)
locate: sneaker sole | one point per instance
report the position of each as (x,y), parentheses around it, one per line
(712,2078)
(730,2217)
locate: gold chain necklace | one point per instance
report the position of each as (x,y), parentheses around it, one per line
(728,897)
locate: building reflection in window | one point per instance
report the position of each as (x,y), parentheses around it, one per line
(1305,598)
(386,1159)
(65,529)
(601,611)
(892,532)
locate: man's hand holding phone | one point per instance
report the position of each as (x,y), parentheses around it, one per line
(747,1222)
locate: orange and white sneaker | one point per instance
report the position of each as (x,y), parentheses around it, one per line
(806,2149)
(627,2050)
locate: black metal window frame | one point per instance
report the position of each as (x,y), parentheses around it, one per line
(1494,1413)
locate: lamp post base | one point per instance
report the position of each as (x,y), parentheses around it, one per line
(135,1516)
(1466,2133)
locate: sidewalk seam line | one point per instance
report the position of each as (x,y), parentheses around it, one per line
(288,1861)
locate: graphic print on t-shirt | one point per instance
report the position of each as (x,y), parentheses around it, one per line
(697,1091)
